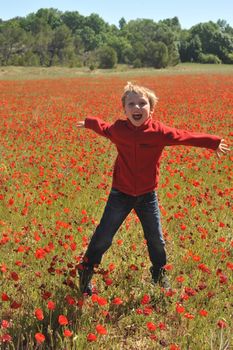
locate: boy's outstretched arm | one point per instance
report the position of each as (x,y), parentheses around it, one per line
(222,149)
(97,125)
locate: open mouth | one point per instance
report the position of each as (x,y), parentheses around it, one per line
(137,117)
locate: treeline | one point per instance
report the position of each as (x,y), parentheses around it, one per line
(50,37)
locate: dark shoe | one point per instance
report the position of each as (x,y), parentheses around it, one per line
(85,276)
(159,276)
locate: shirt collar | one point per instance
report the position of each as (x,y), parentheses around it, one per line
(144,126)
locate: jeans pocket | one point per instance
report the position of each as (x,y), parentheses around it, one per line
(151,196)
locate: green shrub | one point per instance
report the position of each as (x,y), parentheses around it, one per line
(107,57)
(209,58)
(137,63)
(229,58)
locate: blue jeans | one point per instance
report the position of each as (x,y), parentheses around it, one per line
(117,208)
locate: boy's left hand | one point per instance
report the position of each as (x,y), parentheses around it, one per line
(222,149)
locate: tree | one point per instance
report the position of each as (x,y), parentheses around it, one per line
(52,37)
(157,55)
(73,20)
(214,40)
(79,47)
(122,23)
(144,36)
(165,34)
(140,30)
(61,44)
(205,32)
(194,48)
(129,56)
(172,23)
(107,57)
(183,45)
(13,41)
(42,42)
(173,54)
(96,23)
(137,33)
(119,43)
(225,27)
(89,39)
(221,45)
(27,22)
(50,16)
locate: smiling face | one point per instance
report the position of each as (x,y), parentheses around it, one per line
(137,108)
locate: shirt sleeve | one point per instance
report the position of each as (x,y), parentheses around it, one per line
(173,136)
(99,126)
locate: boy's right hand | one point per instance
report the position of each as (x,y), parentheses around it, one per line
(81,124)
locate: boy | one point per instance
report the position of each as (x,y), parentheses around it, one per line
(139,141)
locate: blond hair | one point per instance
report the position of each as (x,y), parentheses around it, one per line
(140,90)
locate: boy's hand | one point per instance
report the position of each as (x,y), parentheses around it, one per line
(81,124)
(222,149)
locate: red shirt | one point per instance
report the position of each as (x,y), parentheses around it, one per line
(136,169)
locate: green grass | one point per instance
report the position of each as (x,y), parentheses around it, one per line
(15,73)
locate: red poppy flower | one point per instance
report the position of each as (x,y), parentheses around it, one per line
(5,324)
(151,326)
(5,338)
(67,333)
(62,320)
(15,305)
(40,338)
(14,276)
(117,301)
(39,314)
(203,313)
(5,297)
(108,281)
(147,310)
(101,329)
(174,347)
(145,299)
(102,301)
(91,337)
(204,268)
(51,305)
(70,300)
(189,316)
(179,308)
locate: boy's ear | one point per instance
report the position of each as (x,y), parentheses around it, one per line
(151,112)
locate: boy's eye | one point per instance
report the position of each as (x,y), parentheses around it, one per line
(142,104)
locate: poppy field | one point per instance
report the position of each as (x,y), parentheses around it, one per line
(54,182)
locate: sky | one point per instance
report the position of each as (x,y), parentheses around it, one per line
(188,12)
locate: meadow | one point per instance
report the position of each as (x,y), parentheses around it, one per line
(54,182)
